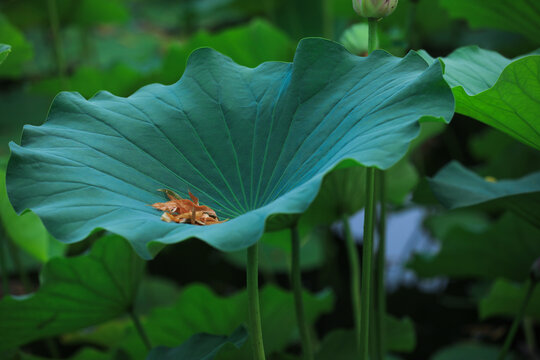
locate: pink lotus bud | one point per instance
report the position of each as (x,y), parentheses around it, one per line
(374,8)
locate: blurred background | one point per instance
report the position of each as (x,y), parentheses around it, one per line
(121,45)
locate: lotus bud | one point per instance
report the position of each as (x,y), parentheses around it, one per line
(374,8)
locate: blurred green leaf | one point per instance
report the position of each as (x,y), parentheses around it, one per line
(26,230)
(341,345)
(75,293)
(518,16)
(13,66)
(199,310)
(505,249)
(505,298)
(199,346)
(499,92)
(455,186)
(83,354)
(469,351)
(248,45)
(4,52)
(472,221)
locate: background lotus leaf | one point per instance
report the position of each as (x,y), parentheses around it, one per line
(505,298)
(75,293)
(4,52)
(248,142)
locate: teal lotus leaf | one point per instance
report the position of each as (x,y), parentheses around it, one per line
(4,52)
(456,186)
(75,293)
(250,143)
(199,346)
(497,91)
(470,351)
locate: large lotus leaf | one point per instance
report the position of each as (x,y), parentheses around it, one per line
(249,143)
(506,249)
(242,44)
(470,351)
(455,186)
(505,298)
(75,293)
(518,16)
(340,344)
(200,310)
(22,49)
(4,52)
(497,91)
(199,347)
(26,230)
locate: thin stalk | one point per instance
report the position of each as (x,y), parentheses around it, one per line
(380,306)
(517,320)
(410,23)
(254,321)
(23,276)
(57,43)
(367,261)
(3,264)
(372,40)
(140,330)
(328,19)
(354,270)
(530,337)
(296,279)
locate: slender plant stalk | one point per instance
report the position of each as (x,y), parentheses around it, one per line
(328,18)
(517,320)
(367,262)
(372,40)
(530,337)
(57,43)
(354,270)
(254,321)
(15,256)
(410,23)
(296,279)
(3,264)
(380,306)
(140,330)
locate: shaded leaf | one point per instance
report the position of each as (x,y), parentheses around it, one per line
(75,293)
(12,66)
(469,351)
(456,187)
(518,16)
(4,52)
(199,347)
(250,142)
(505,299)
(505,249)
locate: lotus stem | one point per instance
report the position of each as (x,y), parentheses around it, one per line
(140,330)
(354,270)
(57,43)
(372,39)
(3,265)
(517,320)
(367,261)
(254,318)
(296,280)
(15,257)
(380,307)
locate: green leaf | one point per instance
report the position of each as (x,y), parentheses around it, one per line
(250,143)
(84,354)
(506,249)
(505,298)
(456,187)
(26,230)
(517,16)
(12,67)
(469,351)
(4,52)
(75,293)
(341,345)
(242,44)
(497,91)
(197,304)
(199,347)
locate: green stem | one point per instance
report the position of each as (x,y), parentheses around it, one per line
(57,42)
(530,337)
(3,264)
(254,321)
(517,320)
(328,19)
(140,330)
(354,270)
(296,279)
(410,24)
(23,276)
(367,260)
(372,40)
(380,307)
